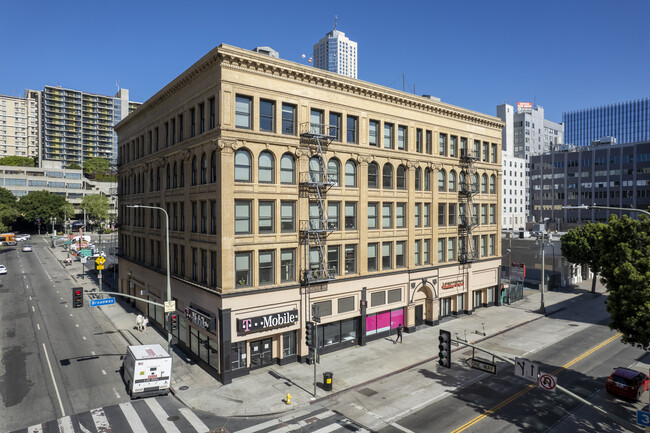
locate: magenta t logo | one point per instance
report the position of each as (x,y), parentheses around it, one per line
(247,324)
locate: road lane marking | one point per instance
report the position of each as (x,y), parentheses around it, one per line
(132,417)
(65,425)
(56,388)
(533,386)
(83,336)
(35,429)
(193,419)
(33,309)
(161,415)
(100,420)
(38,326)
(70,314)
(92,352)
(104,372)
(76,324)
(399,427)
(117,394)
(30,297)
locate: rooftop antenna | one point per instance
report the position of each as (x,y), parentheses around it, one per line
(335,19)
(117,84)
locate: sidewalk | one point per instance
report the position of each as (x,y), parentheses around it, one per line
(263,391)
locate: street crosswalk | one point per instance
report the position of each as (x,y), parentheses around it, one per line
(154,415)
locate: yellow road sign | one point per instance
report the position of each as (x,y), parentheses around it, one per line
(100,267)
(100,260)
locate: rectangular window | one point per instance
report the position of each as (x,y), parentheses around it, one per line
(441,214)
(493,210)
(181,124)
(372,257)
(192,122)
(451,249)
(427,215)
(350,259)
(316,121)
(426,252)
(201,118)
(452,214)
(243,112)
(493,153)
(386,255)
(333,215)
(346,304)
(333,259)
(335,126)
(351,130)
(373,133)
(373,210)
(463,147)
(266,217)
(387,215)
(394,295)
(429,142)
(417,215)
(441,250)
(242,216)
(213,268)
(350,215)
(288,119)
(267,115)
(400,215)
(204,217)
(486,149)
(288,265)
(453,146)
(400,252)
(194,217)
(287,216)
(417,258)
(243,270)
(377,298)
(388,136)
(483,246)
(402,134)
(492,244)
(484,215)
(211,103)
(266,268)
(195,265)
(418,140)
(477,149)
(325,309)
(442,148)
(182,212)
(213,217)
(204,267)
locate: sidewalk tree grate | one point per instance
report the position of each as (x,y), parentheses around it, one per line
(367,392)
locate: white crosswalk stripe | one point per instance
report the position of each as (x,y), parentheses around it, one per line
(101,423)
(132,417)
(35,429)
(65,425)
(161,416)
(194,420)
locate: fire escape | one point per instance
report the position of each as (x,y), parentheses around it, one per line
(314,185)
(468,187)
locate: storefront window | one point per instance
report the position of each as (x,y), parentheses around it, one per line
(445,307)
(238,355)
(348,329)
(288,344)
(182,330)
(156,312)
(329,333)
(214,353)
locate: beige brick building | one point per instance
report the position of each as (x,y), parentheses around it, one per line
(288,187)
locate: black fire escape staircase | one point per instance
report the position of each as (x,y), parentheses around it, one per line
(468,187)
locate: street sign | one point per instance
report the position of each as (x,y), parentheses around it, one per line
(105,301)
(526,369)
(100,267)
(643,418)
(83,260)
(481,364)
(87,252)
(100,260)
(170,306)
(547,381)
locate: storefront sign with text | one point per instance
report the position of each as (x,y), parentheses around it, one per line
(267,321)
(206,322)
(452,284)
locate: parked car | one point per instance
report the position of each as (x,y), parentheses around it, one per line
(27,248)
(3,269)
(627,383)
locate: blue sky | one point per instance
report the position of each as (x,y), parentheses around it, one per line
(562,55)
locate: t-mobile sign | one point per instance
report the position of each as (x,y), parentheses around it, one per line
(267,321)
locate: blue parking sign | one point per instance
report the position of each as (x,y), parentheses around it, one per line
(643,418)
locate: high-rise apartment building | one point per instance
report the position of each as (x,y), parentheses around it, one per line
(513,181)
(526,133)
(19,126)
(627,122)
(290,190)
(76,126)
(336,53)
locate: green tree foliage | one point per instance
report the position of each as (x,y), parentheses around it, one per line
(625,269)
(18,161)
(7,197)
(580,246)
(96,206)
(8,216)
(73,165)
(41,204)
(97,166)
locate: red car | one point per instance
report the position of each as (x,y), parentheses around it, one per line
(627,383)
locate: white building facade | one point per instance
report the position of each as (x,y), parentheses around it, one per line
(19,126)
(336,53)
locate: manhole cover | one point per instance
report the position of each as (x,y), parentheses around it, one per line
(183,388)
(172,418)
(367,392)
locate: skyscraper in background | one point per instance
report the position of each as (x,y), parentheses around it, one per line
(336,53)
(628,122)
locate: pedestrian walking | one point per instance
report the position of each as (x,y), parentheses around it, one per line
(145,322)
(400,329)
(138,322)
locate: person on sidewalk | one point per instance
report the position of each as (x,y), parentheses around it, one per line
(145,322)
(138,322)
(400,329)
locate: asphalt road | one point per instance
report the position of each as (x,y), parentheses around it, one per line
(56,360)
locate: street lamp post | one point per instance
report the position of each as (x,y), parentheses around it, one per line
(588,207)
(542,241)
(169,287)
(509,271)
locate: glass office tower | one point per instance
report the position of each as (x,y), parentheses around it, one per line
(628,122)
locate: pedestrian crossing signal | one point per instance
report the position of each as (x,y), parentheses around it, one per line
(77,297)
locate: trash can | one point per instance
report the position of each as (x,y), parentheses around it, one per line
(327,380)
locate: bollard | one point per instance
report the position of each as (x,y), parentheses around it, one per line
(287,399)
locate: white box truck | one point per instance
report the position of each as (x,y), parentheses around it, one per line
(147,370)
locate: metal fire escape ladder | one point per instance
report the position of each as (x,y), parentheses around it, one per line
(467,253)
(314,185)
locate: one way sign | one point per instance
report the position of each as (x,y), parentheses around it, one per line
(526,369)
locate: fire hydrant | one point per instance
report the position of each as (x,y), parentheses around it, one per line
(288,399)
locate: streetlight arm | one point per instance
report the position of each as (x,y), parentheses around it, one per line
(587,207)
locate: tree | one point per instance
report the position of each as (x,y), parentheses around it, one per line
(8,216)
(96,206)
(580,246)
(18,161)
(41,204)
(95,166)
(7,197)
(625,269)
(73,165)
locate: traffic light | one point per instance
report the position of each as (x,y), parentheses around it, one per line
(309,334)
(77,297)
(173,321)
(445,349)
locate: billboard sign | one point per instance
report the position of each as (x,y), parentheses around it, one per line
(524,107)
